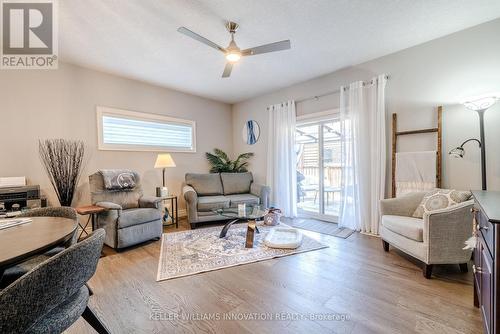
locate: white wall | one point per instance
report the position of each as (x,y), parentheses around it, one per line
(62,104)
(439,72)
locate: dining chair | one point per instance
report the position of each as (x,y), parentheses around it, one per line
(14,272)
(53,295)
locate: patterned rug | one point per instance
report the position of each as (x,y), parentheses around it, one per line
(196,251)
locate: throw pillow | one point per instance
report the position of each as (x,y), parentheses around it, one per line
(440,199)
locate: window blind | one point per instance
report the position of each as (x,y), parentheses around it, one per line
(123,130)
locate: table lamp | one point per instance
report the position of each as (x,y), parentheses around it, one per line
(163,160)
(480,105)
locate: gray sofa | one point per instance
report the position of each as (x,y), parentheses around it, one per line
(131,217)
(205,192)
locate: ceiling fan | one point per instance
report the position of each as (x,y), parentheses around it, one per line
(233,53)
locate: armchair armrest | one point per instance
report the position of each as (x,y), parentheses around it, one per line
(150,202)
(401,206)
(445,232)
(464,206)
(262,191)
(109,205)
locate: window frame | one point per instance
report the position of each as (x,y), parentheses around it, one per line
(102,111)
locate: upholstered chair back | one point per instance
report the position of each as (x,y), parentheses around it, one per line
(126,198)
(49,285)
(61,212)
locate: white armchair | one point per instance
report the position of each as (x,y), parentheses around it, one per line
(438,238)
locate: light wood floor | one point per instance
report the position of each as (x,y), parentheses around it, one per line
(379,292)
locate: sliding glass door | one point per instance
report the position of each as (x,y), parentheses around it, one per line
(318,169)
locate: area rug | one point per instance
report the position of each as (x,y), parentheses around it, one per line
(196,251)
(321,227)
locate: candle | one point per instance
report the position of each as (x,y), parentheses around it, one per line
(242,210)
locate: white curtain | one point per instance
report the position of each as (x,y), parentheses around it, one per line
(363,158)
(281,158)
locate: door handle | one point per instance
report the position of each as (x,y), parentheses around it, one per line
(476,269)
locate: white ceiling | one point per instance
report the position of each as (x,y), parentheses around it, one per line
(138,38)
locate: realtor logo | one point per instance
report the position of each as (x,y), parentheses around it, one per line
(29,34)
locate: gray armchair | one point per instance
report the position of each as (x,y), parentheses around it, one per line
(204,193)
(52,296)
(438,238)
(131,217)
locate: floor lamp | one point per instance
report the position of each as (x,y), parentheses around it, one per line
(164,161)
(480,105)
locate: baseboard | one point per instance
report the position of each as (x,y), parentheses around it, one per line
(182,213)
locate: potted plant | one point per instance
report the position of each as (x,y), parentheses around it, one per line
(220,162)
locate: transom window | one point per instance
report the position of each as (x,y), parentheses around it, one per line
(135,131)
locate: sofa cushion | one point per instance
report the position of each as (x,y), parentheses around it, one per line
(236,183)
(440,199)
(412,228)
(248,199)
(138,216)
(205,184)
(209,203)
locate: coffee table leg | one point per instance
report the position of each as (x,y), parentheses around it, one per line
(250,234)
(226,228)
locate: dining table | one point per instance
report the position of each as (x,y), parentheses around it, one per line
(19,243)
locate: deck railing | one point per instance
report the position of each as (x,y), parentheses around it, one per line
(332,175)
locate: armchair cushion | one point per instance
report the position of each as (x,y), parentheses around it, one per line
(127,198)
(247,199)
(138,216)
(409,227)
(404,205)
(118,179)
(205,184)
(209,203)
(236,183)
(440,199)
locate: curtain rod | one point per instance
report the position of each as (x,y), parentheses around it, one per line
(317,97)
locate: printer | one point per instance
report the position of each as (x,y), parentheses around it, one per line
(16,198)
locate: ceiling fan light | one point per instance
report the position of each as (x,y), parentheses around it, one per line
(233,56)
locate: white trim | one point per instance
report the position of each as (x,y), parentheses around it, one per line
(102,111)
(182,213)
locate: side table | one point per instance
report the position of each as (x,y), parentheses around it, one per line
(173,213)
(91,211)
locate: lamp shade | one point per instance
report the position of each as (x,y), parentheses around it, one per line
(164,160)
(457,152)
(480,103)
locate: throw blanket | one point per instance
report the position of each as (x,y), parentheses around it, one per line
(118,179)
(415,171)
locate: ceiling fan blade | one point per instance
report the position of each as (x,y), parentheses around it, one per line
(227,70)
(277,46)
(199,38)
